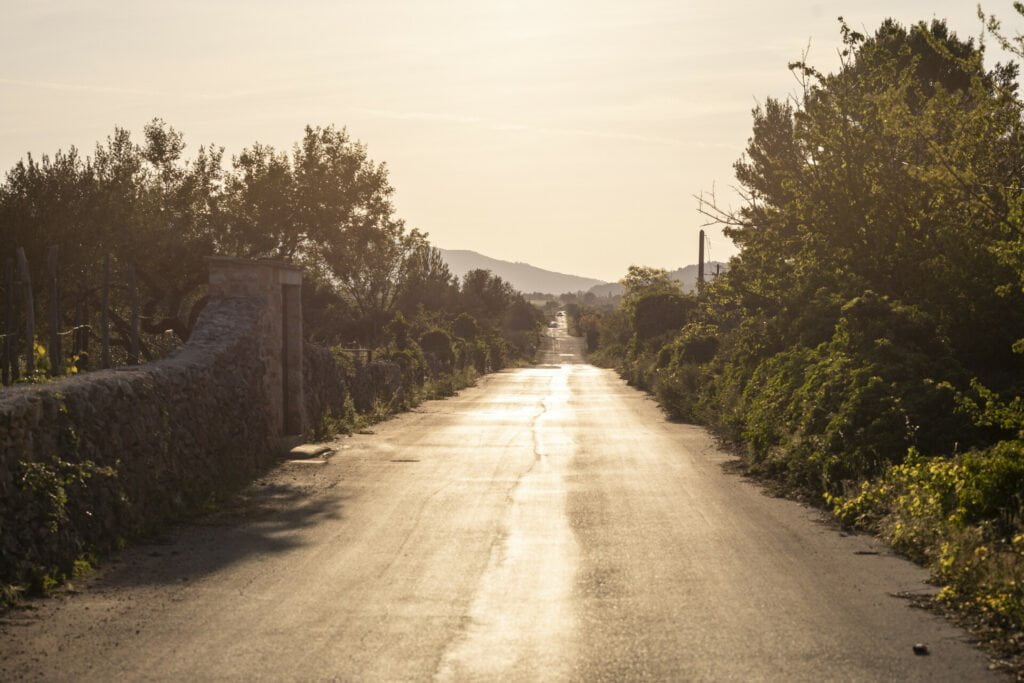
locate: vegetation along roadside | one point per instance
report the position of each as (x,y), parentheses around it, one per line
(387,325)
(864,349)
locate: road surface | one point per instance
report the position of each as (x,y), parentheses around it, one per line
(547,524)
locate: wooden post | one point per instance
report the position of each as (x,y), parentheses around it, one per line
(54,351)
(9,327)
(30,315)
(105,315)
(133,351)
(82,338)
(76,334)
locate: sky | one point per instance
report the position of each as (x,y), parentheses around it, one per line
(569,134)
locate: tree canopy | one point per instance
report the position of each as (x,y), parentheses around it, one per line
(865,346)
(324,205)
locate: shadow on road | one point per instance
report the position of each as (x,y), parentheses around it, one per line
(265,519)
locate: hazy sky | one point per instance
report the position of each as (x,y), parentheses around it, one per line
(571,134)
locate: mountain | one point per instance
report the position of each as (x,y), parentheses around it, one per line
(687,277)
(527,278)
(522,276)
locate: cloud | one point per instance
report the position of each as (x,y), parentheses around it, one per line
(75,87)
(508,126)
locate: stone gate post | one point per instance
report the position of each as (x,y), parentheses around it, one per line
(279,286)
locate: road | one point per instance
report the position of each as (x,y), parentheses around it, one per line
(548,524)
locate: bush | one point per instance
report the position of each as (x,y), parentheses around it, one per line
(465,327)
(658,313)
(961,515)
(824,417)
(438,343)
(678,390)
(412,363)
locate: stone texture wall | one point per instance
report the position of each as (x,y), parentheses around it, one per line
(89,460)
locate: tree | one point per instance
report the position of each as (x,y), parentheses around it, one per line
(657,313)
(428,284)
(326,206)
(881,177)
(465,327)
(485,296)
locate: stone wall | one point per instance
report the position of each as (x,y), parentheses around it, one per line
(89,460)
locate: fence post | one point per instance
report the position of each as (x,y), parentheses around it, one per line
(30,315)
(82,338)
(133,353)
(104,315)
(9,326)
(54,351)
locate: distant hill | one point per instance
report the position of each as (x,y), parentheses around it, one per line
(687,277)
(522,276)
(527,278)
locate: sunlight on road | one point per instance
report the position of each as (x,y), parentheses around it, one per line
(522,617)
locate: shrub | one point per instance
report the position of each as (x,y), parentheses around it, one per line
(656,314)
(410,360)
(465,327)
(962,515)
(438,344)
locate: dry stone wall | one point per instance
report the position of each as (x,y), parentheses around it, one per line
(90,460)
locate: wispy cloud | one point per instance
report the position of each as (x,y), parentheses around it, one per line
(75,87)
(505,126)
(419,116)
(291,90)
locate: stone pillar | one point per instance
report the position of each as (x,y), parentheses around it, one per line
(279,286)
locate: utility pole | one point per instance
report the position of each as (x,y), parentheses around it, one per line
(700,264)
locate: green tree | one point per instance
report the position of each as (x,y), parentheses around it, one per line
(873,181)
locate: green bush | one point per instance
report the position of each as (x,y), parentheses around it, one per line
(465,327)
(412,363)
(961,515)
(438,344)
(678,390)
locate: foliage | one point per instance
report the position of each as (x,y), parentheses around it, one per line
(369,282)
(75,502)
(465,327)
(658,313)
(438,343)
(325,205)
(866,343)
(964,515)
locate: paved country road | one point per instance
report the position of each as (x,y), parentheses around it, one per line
(547,524)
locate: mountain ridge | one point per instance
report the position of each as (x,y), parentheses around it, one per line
(523,276)
(529,278)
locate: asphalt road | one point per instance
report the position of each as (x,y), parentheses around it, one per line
(547,524)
